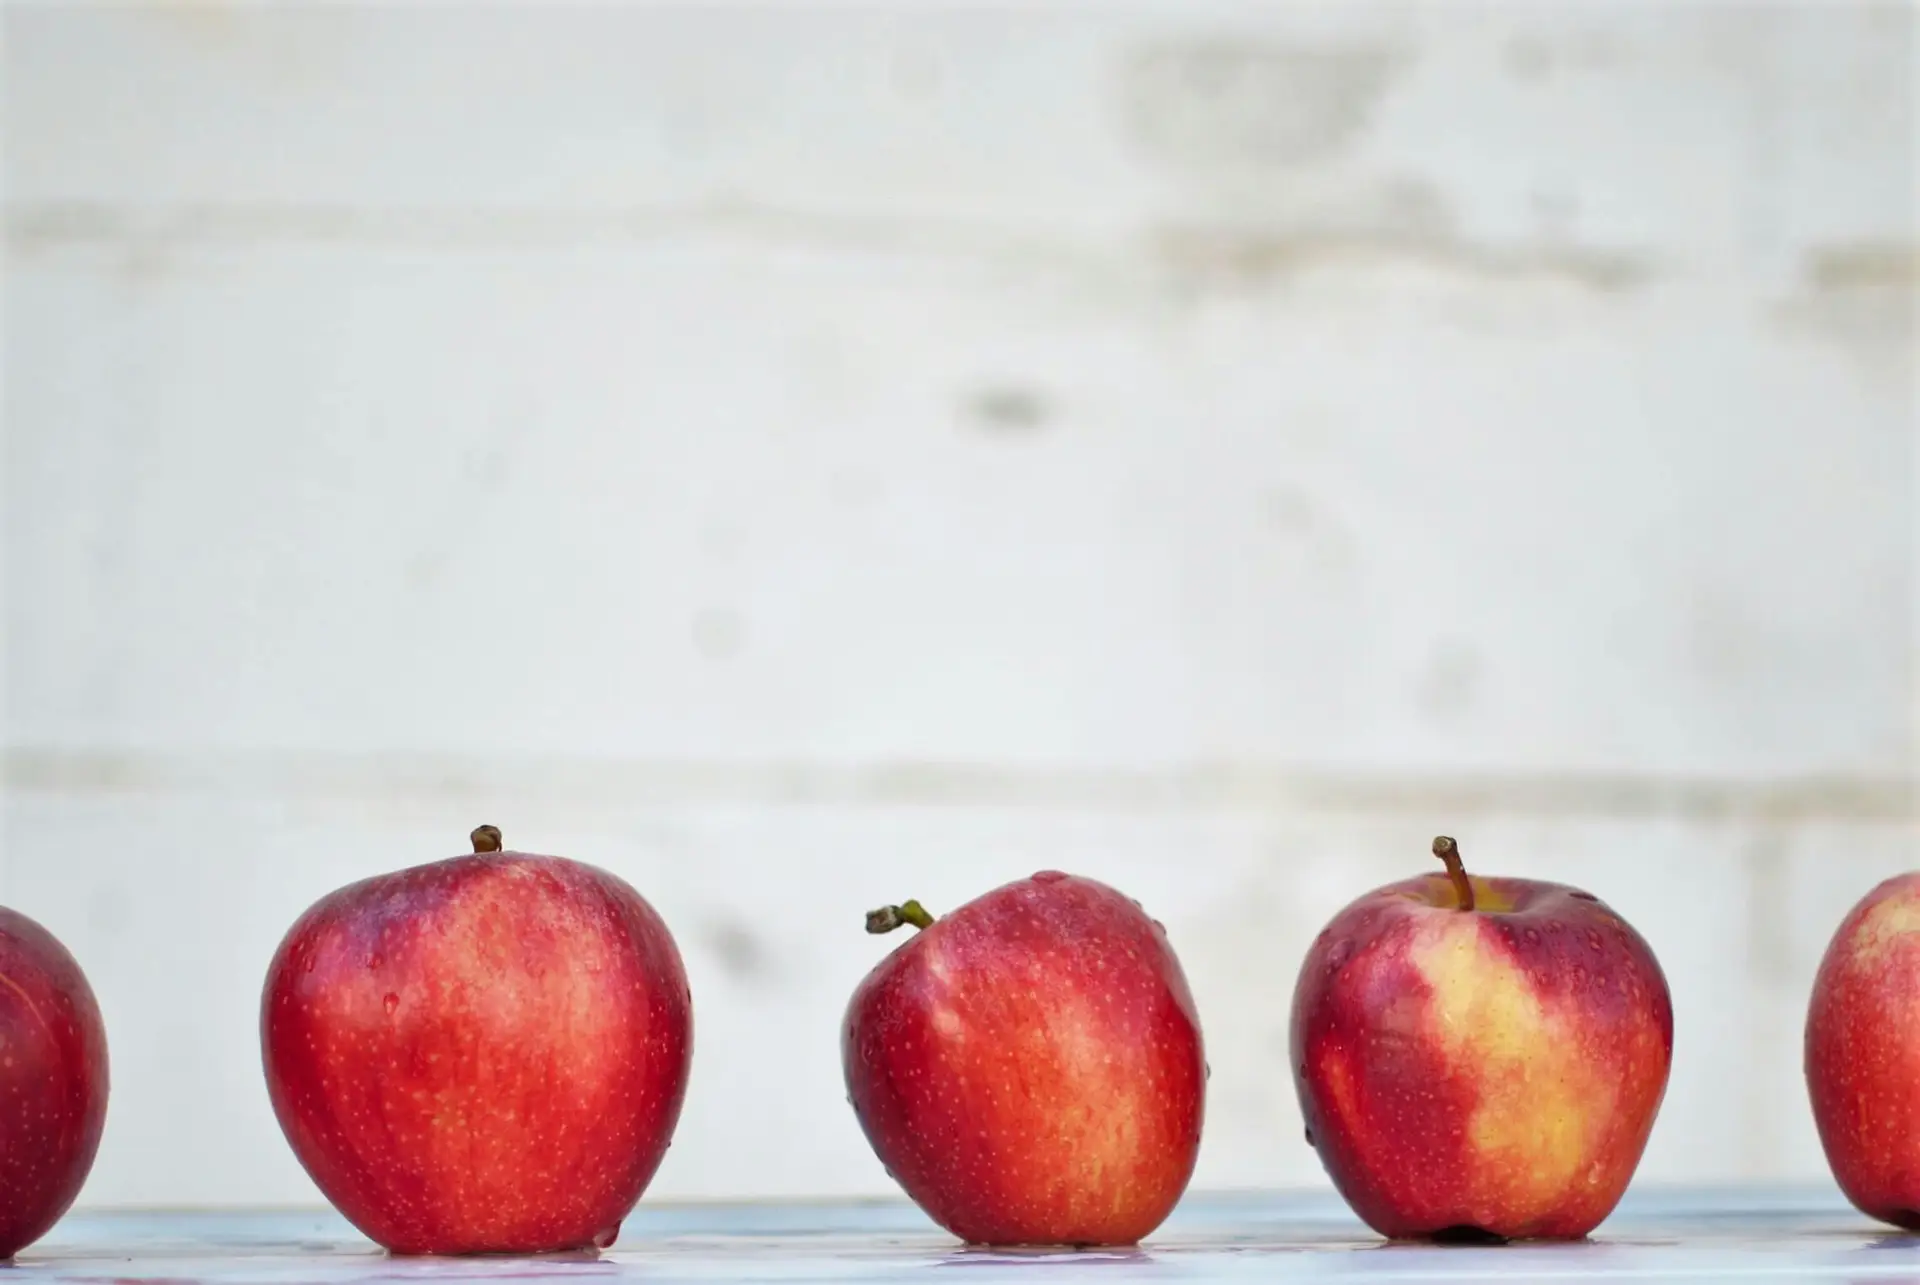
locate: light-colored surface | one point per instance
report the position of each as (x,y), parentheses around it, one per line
(800,459)
(1684,1235)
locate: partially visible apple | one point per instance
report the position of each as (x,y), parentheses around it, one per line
(1480,1058)
(53,1081)
(484,1054)
(1863,1053)
(1029,1068)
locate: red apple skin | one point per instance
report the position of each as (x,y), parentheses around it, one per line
(1495,1070)
(1863,1053)
(1030,1067)
(482,1055)
(53,1081)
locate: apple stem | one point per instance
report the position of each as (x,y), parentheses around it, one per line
(486,839)
(888,918)
(1449,851)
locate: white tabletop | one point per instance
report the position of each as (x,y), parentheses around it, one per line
(1759,1234)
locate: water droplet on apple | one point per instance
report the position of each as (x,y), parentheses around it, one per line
(1532,935)
(1052,876)
(374,960)
(1579,976)
(1160,928)
(310,963)
(1595,940)
(390,1003)
(604,1238)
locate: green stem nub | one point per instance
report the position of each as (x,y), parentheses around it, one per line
(888,918)
(486,839)
(1449,851)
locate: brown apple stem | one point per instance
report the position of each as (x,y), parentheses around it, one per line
(486,839)
(888,918)
(1449,851)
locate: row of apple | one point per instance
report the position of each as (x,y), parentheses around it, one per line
(489,1054)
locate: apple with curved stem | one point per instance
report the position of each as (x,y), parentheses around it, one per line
(53,1081)
(1029,1068)
(483,1054)
(1480,1058)
(1862,1053)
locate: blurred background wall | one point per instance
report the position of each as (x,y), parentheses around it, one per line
(803,458)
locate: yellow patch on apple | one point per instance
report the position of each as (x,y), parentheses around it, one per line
(1883,927)
(1537,1111)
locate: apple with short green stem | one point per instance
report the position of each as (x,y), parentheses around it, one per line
(1029,1067)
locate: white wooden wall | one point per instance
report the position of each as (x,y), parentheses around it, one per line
(801,459)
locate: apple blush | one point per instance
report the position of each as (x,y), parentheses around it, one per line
(1029,1068)
(1480,1058)
(1863,1053)
(486,1054)
(53,1081)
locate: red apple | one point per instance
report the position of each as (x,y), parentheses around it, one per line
(484,1054)
(1863,1053)
(1480,1058)
(1029,1068)
(53,1081)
